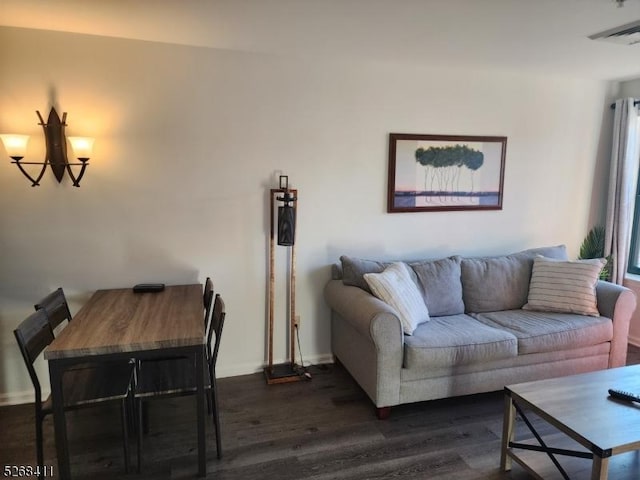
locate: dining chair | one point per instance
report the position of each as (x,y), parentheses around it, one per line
(57,308)
(82,387)
(176,377)
(207,299)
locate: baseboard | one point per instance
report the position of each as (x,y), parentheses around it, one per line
(635,341)
(16,398)
(319,359)
(247,369)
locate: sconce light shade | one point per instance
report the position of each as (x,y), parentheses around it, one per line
(286,224)
(15,145)
(82,147)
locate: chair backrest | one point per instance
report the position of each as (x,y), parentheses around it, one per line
(217,322)
(33,335)
(207,299)
(56,307)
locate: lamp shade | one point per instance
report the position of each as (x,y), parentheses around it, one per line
(16,145)
(82,147)
(286,225)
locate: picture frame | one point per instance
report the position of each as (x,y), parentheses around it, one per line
(445,172)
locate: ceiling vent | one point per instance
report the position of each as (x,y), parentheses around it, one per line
(628,34)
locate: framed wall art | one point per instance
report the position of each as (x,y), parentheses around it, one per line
(445,172)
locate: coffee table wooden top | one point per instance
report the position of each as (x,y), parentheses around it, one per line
(580,406)
(115,321)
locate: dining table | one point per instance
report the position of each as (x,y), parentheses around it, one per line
(118,324)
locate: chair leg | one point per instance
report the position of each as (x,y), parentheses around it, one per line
(216,417)
(39,444)
(209,403)
(140,428)
(212,381)
(125,432)
(131,405)
(144,417)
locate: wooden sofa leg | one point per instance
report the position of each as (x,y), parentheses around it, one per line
(383,412)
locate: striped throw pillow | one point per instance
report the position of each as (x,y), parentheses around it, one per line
(395,287)
(564,286)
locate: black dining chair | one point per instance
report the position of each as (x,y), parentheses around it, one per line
(82,387)
(57,308)
(207,300)
(176,377)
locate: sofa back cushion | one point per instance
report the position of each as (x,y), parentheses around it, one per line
(353,270)
(440,285)
(491,284)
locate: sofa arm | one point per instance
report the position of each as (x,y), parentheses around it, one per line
(617,303)
(368,340)
(369,315)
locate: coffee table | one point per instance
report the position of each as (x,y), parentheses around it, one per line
(595,426)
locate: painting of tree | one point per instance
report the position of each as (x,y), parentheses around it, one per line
(445,172)
(444,165)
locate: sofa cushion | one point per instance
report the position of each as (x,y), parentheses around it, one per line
(558,251)
(395,287)
(440,285)
(564,286)
(549,331)
(496,283)
(456,340)
(353,270)
(492,284)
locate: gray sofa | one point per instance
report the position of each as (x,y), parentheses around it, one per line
(479,337)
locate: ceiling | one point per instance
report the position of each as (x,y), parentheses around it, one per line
(537,36)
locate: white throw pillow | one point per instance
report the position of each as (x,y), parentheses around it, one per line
(395,287)
(564,286)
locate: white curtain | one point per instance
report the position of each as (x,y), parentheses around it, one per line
(623,176)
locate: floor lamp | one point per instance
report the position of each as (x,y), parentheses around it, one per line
(285,231)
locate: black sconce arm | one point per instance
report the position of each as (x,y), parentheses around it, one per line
(34,182)
(76,180)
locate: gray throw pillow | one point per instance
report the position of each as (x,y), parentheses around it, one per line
(440,285)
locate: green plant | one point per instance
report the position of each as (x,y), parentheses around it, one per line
(593,247)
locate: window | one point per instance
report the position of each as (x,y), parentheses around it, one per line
(634,250)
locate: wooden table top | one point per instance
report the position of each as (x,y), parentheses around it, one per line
(580,406)
(115,321)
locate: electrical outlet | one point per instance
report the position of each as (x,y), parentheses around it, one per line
(297,321)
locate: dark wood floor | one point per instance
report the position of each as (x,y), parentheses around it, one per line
(320,429)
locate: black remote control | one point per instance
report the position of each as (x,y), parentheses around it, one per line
(148,287)
(629,397)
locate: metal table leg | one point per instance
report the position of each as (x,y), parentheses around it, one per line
(56,369)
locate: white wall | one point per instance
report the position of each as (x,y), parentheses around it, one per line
(188,141)
(630,88)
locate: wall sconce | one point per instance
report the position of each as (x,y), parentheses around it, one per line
(56,153)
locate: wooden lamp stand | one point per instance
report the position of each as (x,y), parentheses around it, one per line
(283,372)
